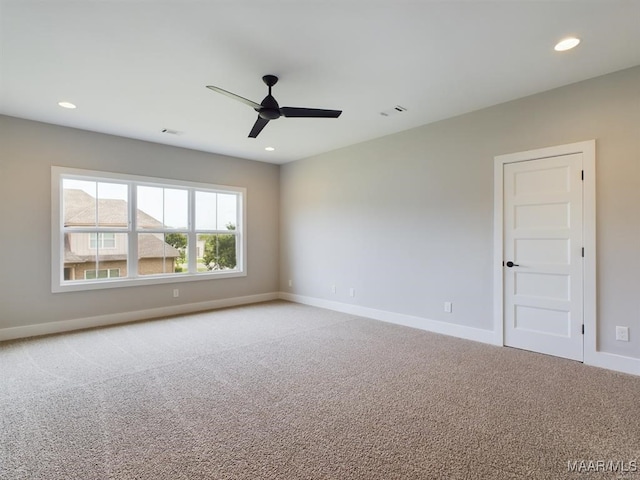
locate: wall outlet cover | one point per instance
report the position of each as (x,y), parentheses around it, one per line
(622,334)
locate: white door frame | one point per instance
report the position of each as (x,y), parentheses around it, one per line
(588,151)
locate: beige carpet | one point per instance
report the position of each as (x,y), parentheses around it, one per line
(286,391)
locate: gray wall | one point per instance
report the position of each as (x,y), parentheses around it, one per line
(27,152)
(407,220)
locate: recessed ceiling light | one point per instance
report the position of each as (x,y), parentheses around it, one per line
(566,44)
(269,149)
(66,105)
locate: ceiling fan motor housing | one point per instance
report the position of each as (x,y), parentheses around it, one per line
(270,109)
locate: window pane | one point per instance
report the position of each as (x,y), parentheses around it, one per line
(177,242)
(105,240)
(102,273)
(88,203)
(113,210)
(176,208)
(206,208)
(79,202)
(150,207)
(162,254)
(86,254)
(112,247)
(80,255)
(160,208)
(227,212)
(219,252)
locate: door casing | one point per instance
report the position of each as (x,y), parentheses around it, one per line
(587,149)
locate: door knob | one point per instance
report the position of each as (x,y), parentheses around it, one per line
(511,264)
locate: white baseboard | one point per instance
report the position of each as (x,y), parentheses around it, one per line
(605,360)
(451,329)
(115,318)
(611,361)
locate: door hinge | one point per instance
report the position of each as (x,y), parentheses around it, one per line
(583,328)
(582,252)
(582,175)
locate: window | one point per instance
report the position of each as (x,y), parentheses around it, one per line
(102,240)
(106,273)
(112,230)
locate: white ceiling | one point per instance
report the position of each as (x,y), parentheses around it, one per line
(135,67)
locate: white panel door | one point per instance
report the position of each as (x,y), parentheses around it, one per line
(543,268)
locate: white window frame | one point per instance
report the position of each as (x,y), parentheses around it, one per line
(58,284)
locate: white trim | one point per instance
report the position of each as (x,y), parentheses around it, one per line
(609,361)
(12,333)
(498,251)
(590,287)
(588,151)
(599,359)
(435,326)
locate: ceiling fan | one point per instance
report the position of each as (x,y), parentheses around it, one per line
(270,110)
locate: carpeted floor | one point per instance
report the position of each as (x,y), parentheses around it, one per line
(286,391)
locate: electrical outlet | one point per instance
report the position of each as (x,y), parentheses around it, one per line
(448,307)
(176,293)
(352,292)
(622,334)
(333,289)
(290,283)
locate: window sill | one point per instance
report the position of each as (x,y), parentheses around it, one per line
(84,285)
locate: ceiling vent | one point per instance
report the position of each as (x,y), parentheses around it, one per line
(393,111)
(169,131)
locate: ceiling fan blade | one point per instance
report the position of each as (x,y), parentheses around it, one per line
(309,112)
(246,101)
(258,126)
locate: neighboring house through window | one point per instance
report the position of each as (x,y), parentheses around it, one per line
(105,273)
(178,230)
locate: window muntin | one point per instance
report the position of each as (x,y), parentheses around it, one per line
(147,230)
